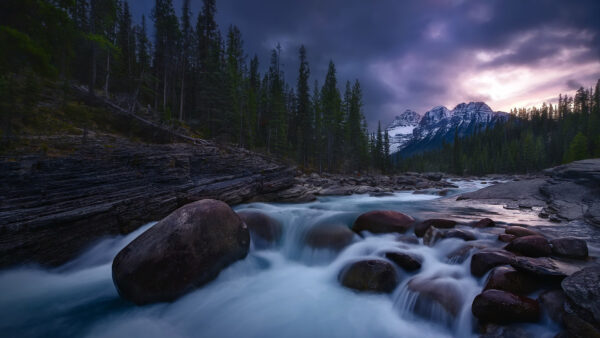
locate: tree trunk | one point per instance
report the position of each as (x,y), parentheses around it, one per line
(107,74)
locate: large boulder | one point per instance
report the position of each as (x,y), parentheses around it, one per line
(508,279)
(407,261)
(532,246)
(569,247)
(499,306)
(520,231)
(484,223)
(421,228)
(264,229)
(382,221)
(583,289)
(329,236)
(544,267)
(374,275)
(184,251)
(483,261)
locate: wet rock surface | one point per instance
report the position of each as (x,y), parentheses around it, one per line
(185,250)
(569,247)
(264,230)
(566,193)
(329,236)
(508,279)
(485,260)
(373,275)
(382,221)
(422,227)
(582,288)
(498,306)
(407,261)
(532,246)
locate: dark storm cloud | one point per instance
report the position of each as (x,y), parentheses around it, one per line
(418,54)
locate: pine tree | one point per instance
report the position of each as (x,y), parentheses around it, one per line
(305,115)
(332,117)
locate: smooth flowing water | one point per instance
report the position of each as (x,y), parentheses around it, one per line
(287,291)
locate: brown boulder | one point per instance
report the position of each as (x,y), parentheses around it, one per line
(421,228)
(569,247)
(483,261)
(264,229)
(519,231)
(499,306)
(382,221)
(369,275)
(508,279)
(409,262)
(184,251)
(506,238)
(532,246)
(335,237)
(484,223)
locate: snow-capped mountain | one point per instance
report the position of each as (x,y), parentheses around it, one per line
(410,134)
(401,129)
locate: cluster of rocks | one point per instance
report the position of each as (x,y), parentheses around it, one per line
(307,187)
(565,193)
(188,248)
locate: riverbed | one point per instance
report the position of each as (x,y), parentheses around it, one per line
(289,290)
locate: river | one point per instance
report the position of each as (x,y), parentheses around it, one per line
(287,291)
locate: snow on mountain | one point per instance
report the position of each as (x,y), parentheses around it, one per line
(401,129)
(411,134)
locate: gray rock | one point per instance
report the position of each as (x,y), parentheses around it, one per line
(569,247)
(532,246)
(582,288)
(373,275)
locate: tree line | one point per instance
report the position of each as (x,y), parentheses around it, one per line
(191,75)
(530,140)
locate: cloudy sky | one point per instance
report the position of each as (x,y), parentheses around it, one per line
(422,53)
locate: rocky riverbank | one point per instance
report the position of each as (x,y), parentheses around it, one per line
(54,205)
(568,192)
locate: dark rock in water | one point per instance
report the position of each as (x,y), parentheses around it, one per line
(543,267)
(407,261)
(552,301)
(519,231)
(433,235)
(532,246)
(569,247)
(438,290)
(583,289)
(461,254)
(508,279)
(382,221)
(369,275)
(506,238)
(483,261)
(184,251)
(329,236)
(578,327)
(409,239)
(421,228)
(264,229)
(491,330)
(484,223)
(499,306)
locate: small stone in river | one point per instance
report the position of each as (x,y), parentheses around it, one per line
(483,261)
(382,221)
(532,246)
(499,306)
(507,238)
(520,231)
(374,275)
(484,223)
(569,247)
(409,262)
(421,228)
(508,279)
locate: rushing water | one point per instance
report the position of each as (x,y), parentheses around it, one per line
(287,291)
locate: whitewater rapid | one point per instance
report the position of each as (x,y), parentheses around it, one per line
(287,291)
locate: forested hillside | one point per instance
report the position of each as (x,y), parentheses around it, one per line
(190,75)
(531,140)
